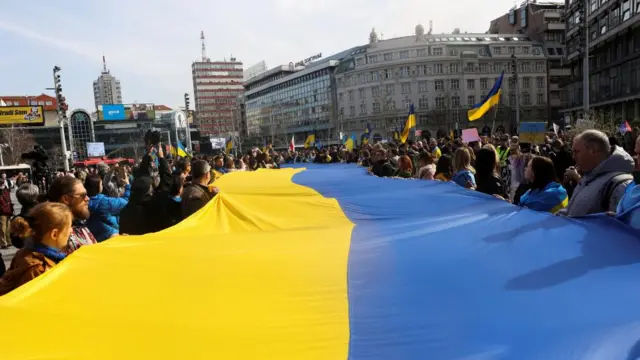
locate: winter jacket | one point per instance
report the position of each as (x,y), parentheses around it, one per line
(600,190)
(105,211)
(194,198)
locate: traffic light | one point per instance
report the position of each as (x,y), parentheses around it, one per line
(62,106)
(514,66)
(186,103)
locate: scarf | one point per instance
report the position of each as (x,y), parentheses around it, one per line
(53,254)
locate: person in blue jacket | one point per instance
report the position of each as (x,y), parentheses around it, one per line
(104,210)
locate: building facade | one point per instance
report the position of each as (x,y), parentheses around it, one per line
(443,76)
(614,58)
(106,89)
(216,87)
(295,101)
(544,23)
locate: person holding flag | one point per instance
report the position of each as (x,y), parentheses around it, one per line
(625,127)
(492,99)
(408,125)
(179,150)
(310,141)
(366,135)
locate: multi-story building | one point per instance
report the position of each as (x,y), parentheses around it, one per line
(106,89)
(443,76)
(294,100)
(544,23)
(614,58)
(216,87)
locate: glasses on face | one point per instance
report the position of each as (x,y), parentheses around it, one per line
(81,195)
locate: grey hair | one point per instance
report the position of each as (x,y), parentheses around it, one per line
(27,194)
(595,140)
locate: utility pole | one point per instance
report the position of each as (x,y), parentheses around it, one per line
(585,60)
(186,110)
(62,114)
(514,71)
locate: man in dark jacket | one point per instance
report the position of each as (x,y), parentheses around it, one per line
(381,165)
(197,194)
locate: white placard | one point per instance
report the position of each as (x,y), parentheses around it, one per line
(95,149)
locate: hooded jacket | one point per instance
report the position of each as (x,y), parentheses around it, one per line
(105,211)
(25,266)
(589,196)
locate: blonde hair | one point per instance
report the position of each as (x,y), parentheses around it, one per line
(462,160)
(40,220)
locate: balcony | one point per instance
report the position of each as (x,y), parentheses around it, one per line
(554,26)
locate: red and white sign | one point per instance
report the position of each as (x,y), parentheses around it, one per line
(292,144)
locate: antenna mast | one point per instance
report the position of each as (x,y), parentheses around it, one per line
(430,27)
(204,47)
(104,64)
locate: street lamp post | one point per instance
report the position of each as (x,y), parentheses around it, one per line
(585,61)
(62,114)
(514,65)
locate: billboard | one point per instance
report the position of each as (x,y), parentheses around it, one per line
(119,112)
(95,149)
(22,115)
(255,70)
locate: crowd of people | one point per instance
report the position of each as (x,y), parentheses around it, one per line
(588,174)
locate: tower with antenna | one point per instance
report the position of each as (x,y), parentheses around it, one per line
(204,47)
(104,65)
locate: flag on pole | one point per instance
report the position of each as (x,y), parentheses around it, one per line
(292,144)
(229,145)
(492,99)
(408,125)
(625,127)
(310,142)
(366,135)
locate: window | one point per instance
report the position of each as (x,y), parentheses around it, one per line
(352,110)
(375,91)
(422,86)
(523,16)
(439,85)
(484,67)
(526,99)
(422,69)
(511,50)
(512,99)
(525,67)
(496,50)
(376,108)
(540,66)
(437,51)
(471,100)
(455,101)
(363,109)
(404,71)
(387,74)
(593,6)
(471,84)
(373,59)
(49,103)
(455,84)
(404,54)
(406,88)
(423,103)
(437,68)
(422,120)
(626,10)
(603,25)
(512,16)
(375,76)
(440,102)
(540,82)
(484,84)
(540,99)
(454,68)
(512,82)
(525,50)
(388,56)
(422,52)
(341,111)
(350,95)
(390,89)
(406,104)
(363,78)
(526,82)
(34,103)
(361,94)
(360,61)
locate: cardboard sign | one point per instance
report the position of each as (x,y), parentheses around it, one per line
(470,135)
(532,132)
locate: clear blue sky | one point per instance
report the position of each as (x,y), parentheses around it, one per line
(150,45)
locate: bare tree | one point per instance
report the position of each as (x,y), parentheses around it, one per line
(56,160)
(18,140)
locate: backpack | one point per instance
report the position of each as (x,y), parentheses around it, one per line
(611,185)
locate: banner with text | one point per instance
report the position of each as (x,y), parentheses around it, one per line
(22,115)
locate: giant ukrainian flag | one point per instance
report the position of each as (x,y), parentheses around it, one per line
(331,263)
(492,99)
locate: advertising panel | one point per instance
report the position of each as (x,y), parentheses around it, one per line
(95,149)
(112,112)
(22,115)
(126,112)
(217,143)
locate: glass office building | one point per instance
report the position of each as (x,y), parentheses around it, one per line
(296,105)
